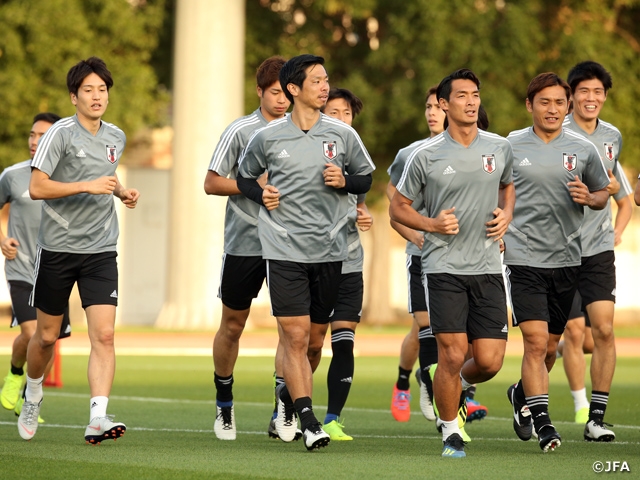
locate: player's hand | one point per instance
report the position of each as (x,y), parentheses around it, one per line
(579,192)
(497,227)
(502,246)
(617,238)
(102,186)
(364,220)
(129,197)
(9,247)
(333,176)
(614,184)
(270,197)
(418,239)
(446,222)
(263,179)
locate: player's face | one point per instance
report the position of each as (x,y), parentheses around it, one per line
(463,104)
(92,99)
(550,106)
(273,102)
(339,108)
(435,115)
(38,130)
(588,99)
(315,88)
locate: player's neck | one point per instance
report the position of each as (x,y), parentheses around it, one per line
(304,117)
(587,124)
(463,134)
(546,137)
(92,125)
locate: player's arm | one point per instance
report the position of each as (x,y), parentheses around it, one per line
(216,184)
(636,194)
(8,244)
(401,211)
(625,210)
(41,187)
(364,219)
(129,196)
(580,194)
(502,215)
(409,234)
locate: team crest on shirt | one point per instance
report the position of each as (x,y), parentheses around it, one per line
(112,153)
(330,149)
(608,151)
(489,163)
(569,161)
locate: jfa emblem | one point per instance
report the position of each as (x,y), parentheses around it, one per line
(608,151)
(112,153)
(330,149)
(489,163)
(569,161)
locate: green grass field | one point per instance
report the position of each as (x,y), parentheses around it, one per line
(167,405)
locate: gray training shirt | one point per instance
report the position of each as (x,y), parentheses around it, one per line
(82,223)
(597,228)
(310,224)
(545,231)
(24,220)
(446,174)
(355,258)
(241,216)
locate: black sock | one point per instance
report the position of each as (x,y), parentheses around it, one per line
(403,379)
(341,368)
(17,370)
(471,392)
(598,405)
(519,393)
(285,396)
(305,412)
(223,388)
(428,352)
(539,408)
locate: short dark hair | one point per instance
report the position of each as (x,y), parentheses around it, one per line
(294,71)
(46,117)
(444,88)
(544,80)
(268,72)
(83,69)
(354,102)
(483,119)
(432,91)
(587,71)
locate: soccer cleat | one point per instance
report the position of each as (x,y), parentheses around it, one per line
(401,404)
(273,433)
(475,411)
(315,437)
(28,421)
(286,423)
(582,415)
(18,409)
(426,405)
(103,428)
(334,429)
(521,416)
(595,431)
(225,425)
(463,433)
(11,390)
(548,438)
(453,447)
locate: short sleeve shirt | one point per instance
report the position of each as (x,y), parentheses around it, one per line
(310,224)
(546,226)
(241,216)
(81,223)
(24,220)
(447,174)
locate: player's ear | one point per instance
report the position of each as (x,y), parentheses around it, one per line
(529,106)
(293,89)
(73,97)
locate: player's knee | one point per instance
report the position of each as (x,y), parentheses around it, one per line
(47,339)
(104,338)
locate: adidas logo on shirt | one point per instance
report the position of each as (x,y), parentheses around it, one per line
(81,154)
(283,154)
(525,163)
(114,294)
(449,170)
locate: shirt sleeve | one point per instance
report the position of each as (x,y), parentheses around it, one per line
(227,152)
(51,148)
(253,161)
(625,187)
(396,168)
(507,174)
(413,179)
(595,174)
(5,189)
(358,161)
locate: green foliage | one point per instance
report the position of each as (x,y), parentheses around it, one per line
(41,40)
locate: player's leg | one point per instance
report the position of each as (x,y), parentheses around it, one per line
(573,360)
(317,334)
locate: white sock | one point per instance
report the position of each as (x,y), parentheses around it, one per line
(98,407)
(34,389)
(580,399)
(449,428)
(465,384)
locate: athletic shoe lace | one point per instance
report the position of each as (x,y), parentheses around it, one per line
(30,413)
(289,415)
(225,414)
(402,400)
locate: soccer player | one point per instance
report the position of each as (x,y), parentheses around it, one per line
(243,269)
(556,172)
(19,249)
(590,84)
(302,226)
(464,179)
(74,172)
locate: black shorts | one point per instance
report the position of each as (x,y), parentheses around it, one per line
(471,304)
(298,289)
(23,312)
(597,279)
(241,279)
(542,294)
(417,294)
(57,272)
(349,304)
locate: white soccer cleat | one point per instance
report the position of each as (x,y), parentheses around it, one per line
(315,437)
(286,422)
(426,405)
(28,419)
(103,428)
(595,431)
(225,424)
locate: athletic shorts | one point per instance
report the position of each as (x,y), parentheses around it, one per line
(542,294)
(471,304)
(299,289)
(417,294)
(57,272)
(349,304)
(23,312)
(597,279)
(241,279)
